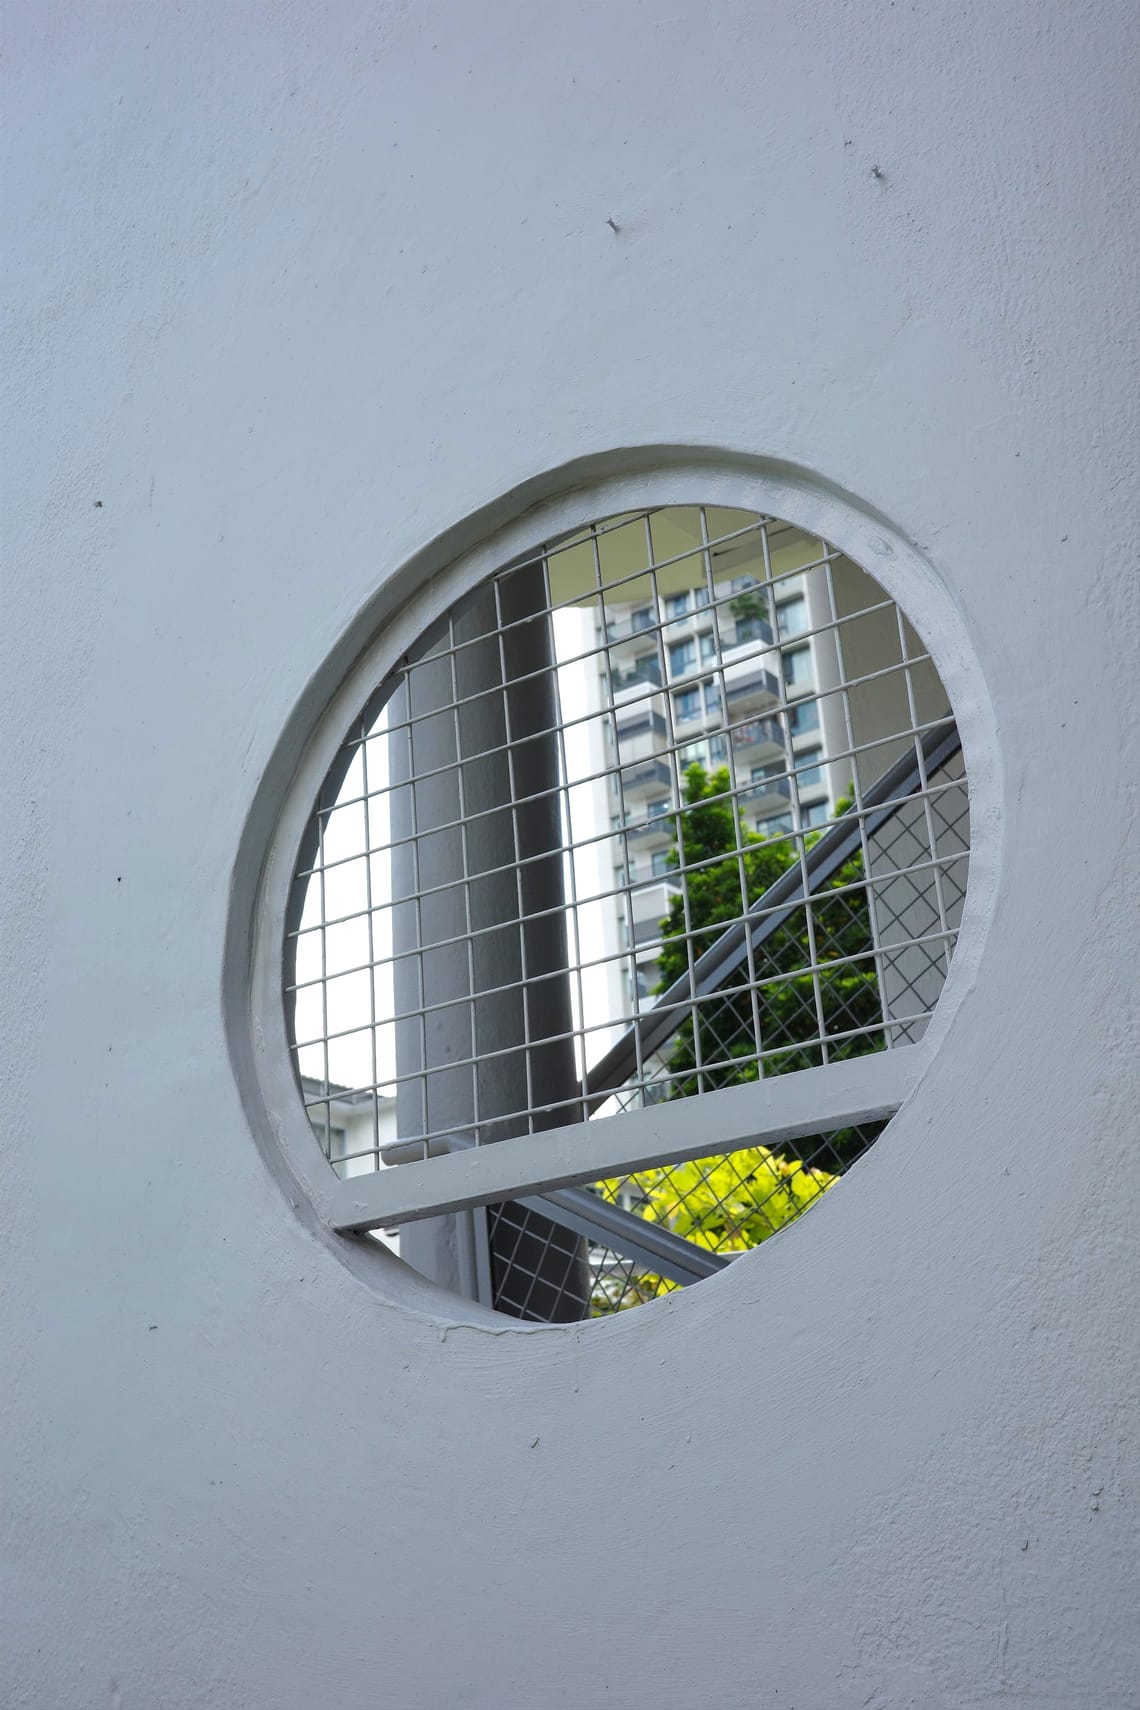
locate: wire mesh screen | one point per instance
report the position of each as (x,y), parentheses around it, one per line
(540,1270)
(676,803)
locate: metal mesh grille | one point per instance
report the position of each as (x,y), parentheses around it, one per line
(674,804)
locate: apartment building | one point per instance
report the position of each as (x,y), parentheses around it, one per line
(723,658)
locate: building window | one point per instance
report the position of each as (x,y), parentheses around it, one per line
(700,596)
(682,657)
(808,771)
(656,809)
(712,697)
(662,863)
(797,666)
(803,717)
(642,618)
(708,647)
(676,605)
(815,813)
(792,618)
(687,705)
(718,748)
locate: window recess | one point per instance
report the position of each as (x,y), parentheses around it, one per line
(531,920)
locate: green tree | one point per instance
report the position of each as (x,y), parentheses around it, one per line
(727,869)
(729,1203)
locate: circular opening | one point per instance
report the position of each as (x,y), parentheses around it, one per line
(675,803)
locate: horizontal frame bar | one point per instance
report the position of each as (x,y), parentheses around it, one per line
(609,1225)
(767,1113)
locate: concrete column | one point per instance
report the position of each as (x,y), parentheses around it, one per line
(494,870)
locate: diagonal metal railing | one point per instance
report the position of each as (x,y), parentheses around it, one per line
(772,910)
(608,1225)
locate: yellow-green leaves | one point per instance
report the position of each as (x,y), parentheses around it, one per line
(726,1204)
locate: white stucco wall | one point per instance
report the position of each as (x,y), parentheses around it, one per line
(296,290)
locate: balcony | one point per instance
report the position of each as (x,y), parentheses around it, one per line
(646,775)
(651,903)
(650,907)
(767,795)
(647,832)
(757,734)
(626,619)
(640,720)
(751,688)
(644,672)
(751,632)
(647,932)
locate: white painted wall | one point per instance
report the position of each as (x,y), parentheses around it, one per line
(296,289)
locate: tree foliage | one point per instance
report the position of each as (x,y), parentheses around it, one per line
(727,868)
(727,1204)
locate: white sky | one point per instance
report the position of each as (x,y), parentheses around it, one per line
(354,883)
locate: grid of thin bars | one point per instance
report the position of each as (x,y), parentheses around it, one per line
(540,1271)
(660,640)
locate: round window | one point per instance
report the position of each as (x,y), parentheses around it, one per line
(617,924)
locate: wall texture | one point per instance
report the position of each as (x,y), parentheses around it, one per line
(296,288)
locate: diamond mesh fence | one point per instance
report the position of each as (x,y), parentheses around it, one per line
(726,1204)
